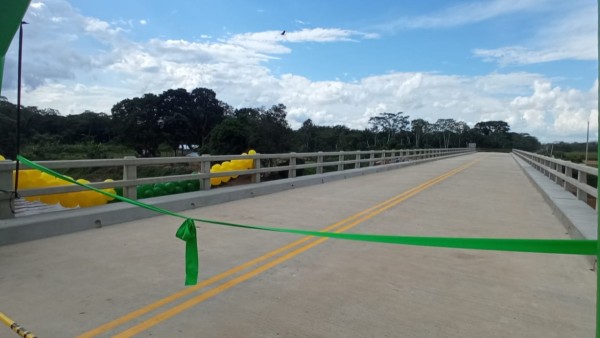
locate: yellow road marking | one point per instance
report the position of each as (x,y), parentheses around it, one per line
(151,307)
(143,326)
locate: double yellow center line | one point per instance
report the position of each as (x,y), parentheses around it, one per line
(289,251)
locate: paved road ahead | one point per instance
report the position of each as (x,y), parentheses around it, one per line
(68,285)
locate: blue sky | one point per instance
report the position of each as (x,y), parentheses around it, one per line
(532,63)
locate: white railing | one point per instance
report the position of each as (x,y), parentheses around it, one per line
(571,176)
(333,161)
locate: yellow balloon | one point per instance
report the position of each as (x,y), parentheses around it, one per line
(216,168)
(225,179)
(49,199)
(46,179)
(215,181)
(82,181)
(252,152)
(36,182)
(97,198)
(109,190)
(68,200)
(85,199)
(226,166)
(30,178)
(2,158)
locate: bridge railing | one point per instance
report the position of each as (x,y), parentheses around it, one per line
(263,164)
(573,177)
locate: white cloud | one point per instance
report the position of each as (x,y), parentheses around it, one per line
(557,112)
(273,42)
(465,13)
(110,68)
(37,5)
(143,22)
(574,35)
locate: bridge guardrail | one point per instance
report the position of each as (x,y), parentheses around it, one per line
(340,160)
(571,176)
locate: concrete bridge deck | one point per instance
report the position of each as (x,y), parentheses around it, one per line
(127,279)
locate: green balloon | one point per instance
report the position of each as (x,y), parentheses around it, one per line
(170,187)
(149,193)
(158,191)
(189,186)
(119,191)
(141,192)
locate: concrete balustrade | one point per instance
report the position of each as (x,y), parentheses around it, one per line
(321,161)
(562,172)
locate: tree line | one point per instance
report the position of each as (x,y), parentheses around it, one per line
(180,120)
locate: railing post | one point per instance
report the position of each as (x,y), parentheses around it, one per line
(357,163)
(320,162)
(130,173)
(292,171)
(557,179)
(256,177)
(6,188)
(341,160)
(569,174)
(372,158)
(582,178)
(204,169)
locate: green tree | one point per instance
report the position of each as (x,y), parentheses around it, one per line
(419,128)
(140,124)
(229,137)
(389,124)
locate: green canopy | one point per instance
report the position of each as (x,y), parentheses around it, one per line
(11,15)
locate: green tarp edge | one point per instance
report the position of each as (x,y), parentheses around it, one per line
(11,15)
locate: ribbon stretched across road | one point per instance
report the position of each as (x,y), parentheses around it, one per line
(187,232)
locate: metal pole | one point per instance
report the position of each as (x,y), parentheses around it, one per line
(598,185)
(19,105)
(587,142)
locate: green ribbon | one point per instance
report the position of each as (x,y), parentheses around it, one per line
(187,232)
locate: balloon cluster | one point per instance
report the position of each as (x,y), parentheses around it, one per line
(29,179)
(162,189)
(233,165)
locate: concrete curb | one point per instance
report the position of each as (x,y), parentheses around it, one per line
(39,226)
(579,219)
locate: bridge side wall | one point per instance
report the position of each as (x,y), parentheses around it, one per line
(33,227)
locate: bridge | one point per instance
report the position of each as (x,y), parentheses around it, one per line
(127,279)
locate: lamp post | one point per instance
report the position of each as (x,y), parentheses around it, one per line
(587,142)
(19,105)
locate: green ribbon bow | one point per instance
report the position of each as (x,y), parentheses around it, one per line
(187,232)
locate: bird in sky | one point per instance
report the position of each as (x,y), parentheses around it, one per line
(283,33)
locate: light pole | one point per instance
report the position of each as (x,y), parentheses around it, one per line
(587,142)
(18,152)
